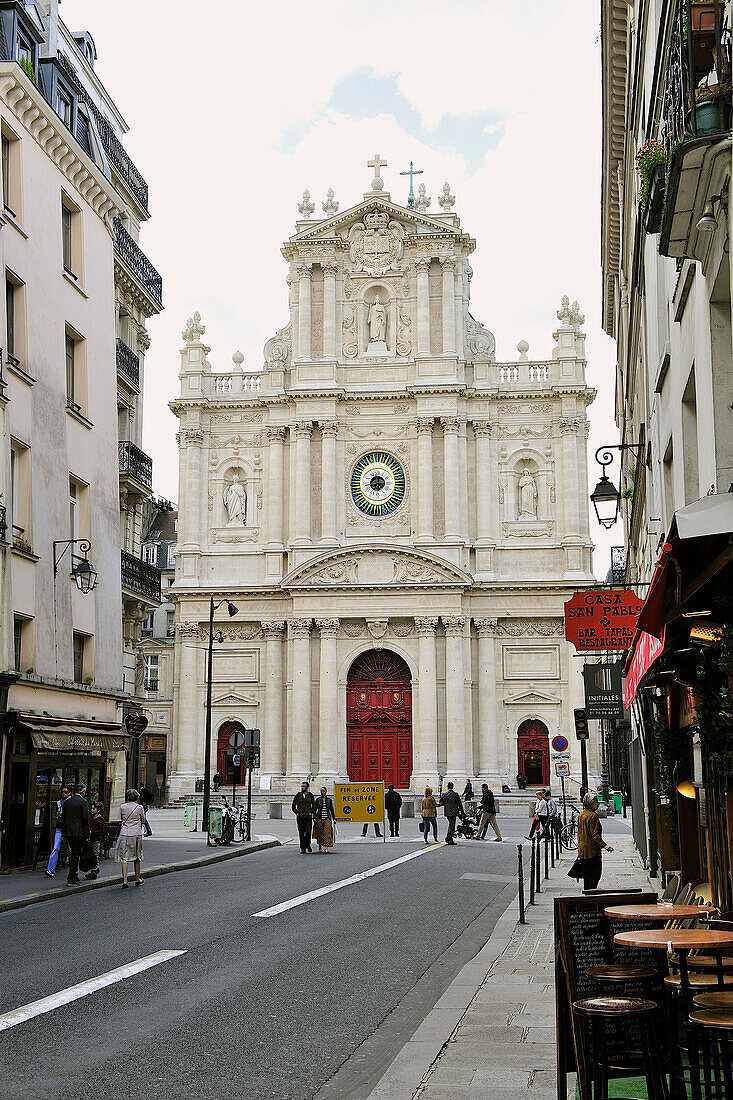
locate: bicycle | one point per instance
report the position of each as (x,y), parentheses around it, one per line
(569,832)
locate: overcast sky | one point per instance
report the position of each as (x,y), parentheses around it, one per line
(235,107)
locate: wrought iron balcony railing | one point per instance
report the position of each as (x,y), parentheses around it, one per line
(136,259)
(135,462)
(697,88)
(127,362)
(3,523)
(139,577)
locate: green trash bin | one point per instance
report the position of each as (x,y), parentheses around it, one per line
(215,819)
(617,800)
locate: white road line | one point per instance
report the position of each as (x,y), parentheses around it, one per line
(303,898)
(83,989)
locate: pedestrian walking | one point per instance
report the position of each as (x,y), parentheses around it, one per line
(130,842)
(75,829)
(217,780)
(302,807)
(553,810)
(452,808)
(96,834)
(58,837)
(539,820)
(146,801)
(488,813)
(429,813)
(468,791)
(392,804)
(377,830)
(590,842)
(323,820)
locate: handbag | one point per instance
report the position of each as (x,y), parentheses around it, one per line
(576,871)
(87,858)
(421,825)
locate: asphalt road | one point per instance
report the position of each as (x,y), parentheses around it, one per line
(256,1007)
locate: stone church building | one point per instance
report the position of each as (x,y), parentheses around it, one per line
(398,517)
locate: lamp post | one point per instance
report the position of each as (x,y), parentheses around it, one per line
(82,569)
(606,497)
(207,745)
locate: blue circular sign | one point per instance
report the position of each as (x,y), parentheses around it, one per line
(346,810)
(559,743)
(371,809)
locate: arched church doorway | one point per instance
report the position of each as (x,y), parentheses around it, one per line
(379,719)
(533,751)
(224,764)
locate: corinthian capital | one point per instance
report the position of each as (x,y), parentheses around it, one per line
(276,435)
(303,428)
(482,427)
(424,425)
(328,427)
(328,627)
(299,628)
(422,266)
(273,629)
(305,271)
(451,425)
(448,263)
(425,626)
(454,625)
(485,626)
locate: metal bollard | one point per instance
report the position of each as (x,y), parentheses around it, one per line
(552,848)
(520,877)
(531,872)
(538,868)
(547,854)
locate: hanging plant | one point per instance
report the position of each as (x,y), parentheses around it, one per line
(649,157)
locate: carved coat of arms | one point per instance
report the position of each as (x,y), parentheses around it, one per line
(375,244)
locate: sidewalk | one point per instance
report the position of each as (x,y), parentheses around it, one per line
(492,1033)
(170,848)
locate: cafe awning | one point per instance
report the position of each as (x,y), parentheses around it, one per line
(74,736)
(711,515)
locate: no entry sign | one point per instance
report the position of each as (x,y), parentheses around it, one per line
(602,619)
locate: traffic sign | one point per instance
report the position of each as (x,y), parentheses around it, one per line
(359,801)
(560,743)
(236,760)
(236,739)
(562,769)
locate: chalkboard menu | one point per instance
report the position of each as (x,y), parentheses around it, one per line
(584,938)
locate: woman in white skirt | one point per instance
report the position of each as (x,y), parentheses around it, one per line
(130,842)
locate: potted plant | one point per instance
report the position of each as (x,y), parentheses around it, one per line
(703,15)
(27,66)
(709,99)
(650,161)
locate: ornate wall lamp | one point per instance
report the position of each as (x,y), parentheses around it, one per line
(606,497)
(82,570)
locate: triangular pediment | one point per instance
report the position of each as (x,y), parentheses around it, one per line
(376,566)
(333,228)
(234,699)
(533,695)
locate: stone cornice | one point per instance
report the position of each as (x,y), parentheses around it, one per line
(41,122)
(614,61)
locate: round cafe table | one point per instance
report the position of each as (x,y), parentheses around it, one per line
(681,940)
(658,912)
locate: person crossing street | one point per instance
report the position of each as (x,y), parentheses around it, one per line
(392,804)
(450,800)
(302,807)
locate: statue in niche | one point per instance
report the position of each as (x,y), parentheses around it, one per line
(235,502)
(527,495)
(377,319)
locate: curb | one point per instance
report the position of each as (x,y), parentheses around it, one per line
(152,872)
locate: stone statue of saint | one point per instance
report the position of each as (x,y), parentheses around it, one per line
(377,322)
(235,502)
(527,495)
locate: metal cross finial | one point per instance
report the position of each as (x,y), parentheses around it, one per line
(411,172)
(377,164)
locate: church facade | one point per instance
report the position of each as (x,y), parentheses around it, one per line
(398,517)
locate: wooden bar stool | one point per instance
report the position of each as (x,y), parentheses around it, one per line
(618,974)
(723,998)
(710,1032)
(596,1016)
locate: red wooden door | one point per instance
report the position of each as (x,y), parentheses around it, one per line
(533,751)
(379,719)
(224,764)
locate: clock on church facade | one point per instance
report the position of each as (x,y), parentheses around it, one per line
(411,514)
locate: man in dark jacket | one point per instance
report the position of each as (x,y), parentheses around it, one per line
(488,813)
(75,829)
(392,803)
(303,809)
(450,800)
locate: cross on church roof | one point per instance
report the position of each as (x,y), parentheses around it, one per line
(411,172)
(377,164)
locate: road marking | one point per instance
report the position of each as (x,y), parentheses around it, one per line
(83,989)
(303,898)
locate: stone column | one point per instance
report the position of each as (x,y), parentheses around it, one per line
(299,750)
(187,764)
(303,430)
(449,305)
(426,523)
(328,700)
(488,733)
(451,471)
(422,267)
(273,741)
(570,430)
(427,754)
(190,479)
(482,432)
(275,464)
(329,431)
(305,273)
(454,698)
(329,311)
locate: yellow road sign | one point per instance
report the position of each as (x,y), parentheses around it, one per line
(359,802)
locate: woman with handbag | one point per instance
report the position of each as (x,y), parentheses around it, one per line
(324,818)
(130,843)
(429,815)
(590,842)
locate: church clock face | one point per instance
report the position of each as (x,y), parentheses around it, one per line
(378,483)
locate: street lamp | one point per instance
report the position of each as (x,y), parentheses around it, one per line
(606,497)
(82,569)
(207,746)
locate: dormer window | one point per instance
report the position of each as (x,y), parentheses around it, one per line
(25,50)
(64,106)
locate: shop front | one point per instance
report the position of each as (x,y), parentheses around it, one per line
(153,766)
(43,755)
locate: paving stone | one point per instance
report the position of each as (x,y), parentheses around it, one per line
(501,1078)
(451,1076)
(488,1033)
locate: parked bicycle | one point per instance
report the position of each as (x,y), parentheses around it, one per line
(569,832)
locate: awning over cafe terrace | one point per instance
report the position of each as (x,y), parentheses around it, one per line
(698,546)
(67,735)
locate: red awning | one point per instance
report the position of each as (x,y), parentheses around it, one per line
(645,652)
(652,615)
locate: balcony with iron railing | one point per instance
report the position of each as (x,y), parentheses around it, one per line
(140,578)
(130,252)
(135,463)
(128,363)
(696,117)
